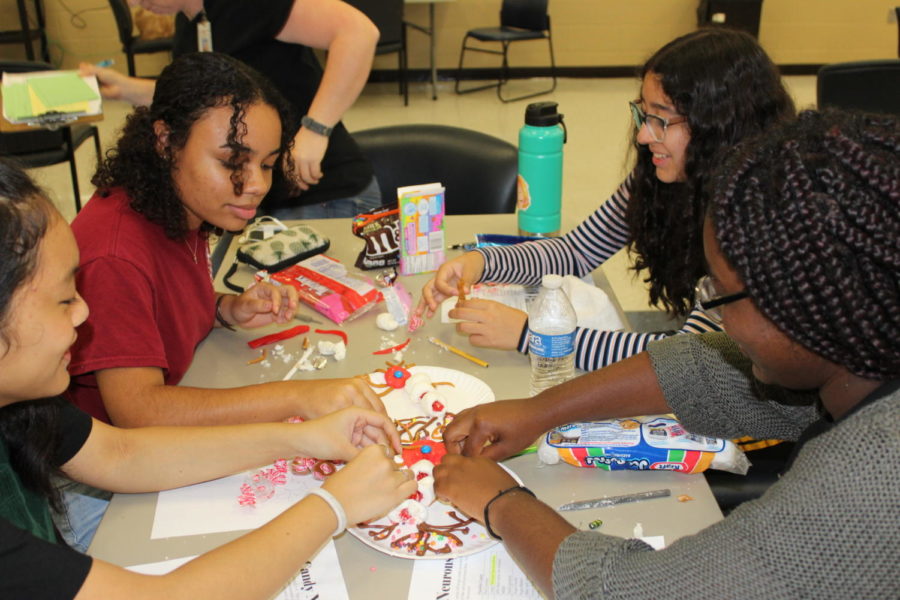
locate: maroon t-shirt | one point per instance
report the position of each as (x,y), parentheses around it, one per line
(151,298)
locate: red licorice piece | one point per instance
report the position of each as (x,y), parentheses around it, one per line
(277,337)
(337,332)
(396,348)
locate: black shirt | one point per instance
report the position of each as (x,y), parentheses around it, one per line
(31,567)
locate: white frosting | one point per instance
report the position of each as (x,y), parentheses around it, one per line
(386,322)
(427,400)
(409,512)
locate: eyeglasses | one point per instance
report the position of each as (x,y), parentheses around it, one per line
(713,303)
(655,124)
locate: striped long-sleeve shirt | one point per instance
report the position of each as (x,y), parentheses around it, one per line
(578,253)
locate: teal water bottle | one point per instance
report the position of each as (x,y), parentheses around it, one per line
(539,187)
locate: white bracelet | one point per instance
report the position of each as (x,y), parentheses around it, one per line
(335,506)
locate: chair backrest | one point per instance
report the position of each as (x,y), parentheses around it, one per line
(867,85)
(525,14)
(388,17)
(26,142)
(479,171)
(124,21)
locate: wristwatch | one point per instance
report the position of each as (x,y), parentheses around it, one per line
(315,126)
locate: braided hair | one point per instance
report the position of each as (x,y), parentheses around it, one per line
(187,88)
(729,89)
(809,217)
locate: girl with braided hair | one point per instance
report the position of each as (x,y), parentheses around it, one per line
(701,94)
(802,245)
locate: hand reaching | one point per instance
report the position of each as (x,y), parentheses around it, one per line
(489,324)
(370,485)
(320,397)
(341,435)
(496,430)
(469,268)
(264,304)
(470,483)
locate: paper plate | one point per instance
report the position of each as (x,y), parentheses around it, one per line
(446,524)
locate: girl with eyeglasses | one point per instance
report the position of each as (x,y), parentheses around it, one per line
(802,247)
(700,95)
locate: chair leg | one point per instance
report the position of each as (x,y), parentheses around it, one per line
(533,94)
(462,53)
(131,68)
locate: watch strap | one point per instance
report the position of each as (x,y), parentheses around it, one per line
(315,126)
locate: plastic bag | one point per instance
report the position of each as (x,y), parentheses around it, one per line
(656,442)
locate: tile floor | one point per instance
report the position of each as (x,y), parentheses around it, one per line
(596,155)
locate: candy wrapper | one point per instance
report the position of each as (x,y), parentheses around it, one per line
(380,231)
(324,284)
(656,442)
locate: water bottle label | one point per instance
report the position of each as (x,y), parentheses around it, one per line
(551,346)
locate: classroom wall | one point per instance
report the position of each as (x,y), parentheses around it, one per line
(588,32)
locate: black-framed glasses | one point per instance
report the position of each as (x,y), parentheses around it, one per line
(712,302)
(657,125)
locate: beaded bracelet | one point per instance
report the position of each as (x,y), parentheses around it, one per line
(335,505)
(487,520)
(219,316)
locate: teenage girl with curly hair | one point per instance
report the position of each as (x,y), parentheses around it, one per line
(40,309)
(199,158)
(802,243)
(700,95)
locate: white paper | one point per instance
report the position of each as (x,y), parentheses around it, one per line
(488,575)
(320,578)
(212,506)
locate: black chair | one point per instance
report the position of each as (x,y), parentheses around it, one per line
(867,85)
(43,147)
(132,44)
(387,15)
(520,20)
(479,171)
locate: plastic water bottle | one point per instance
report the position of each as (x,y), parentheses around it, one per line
(539,186)
(551,336)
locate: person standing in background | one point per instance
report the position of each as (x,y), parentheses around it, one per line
(278,39)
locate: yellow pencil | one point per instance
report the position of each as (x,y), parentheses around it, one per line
(458,352)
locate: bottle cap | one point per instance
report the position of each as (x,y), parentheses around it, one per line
(552,281)
(542,114)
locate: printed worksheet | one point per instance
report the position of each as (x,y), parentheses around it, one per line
(488,575)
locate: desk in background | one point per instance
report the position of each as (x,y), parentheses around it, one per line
(124,534)
(428,30)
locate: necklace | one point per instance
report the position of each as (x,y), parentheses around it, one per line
(193,250)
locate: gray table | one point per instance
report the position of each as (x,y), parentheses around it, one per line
(124,534)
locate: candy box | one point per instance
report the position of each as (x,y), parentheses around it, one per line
(655,442)
(421,228)
(324,284)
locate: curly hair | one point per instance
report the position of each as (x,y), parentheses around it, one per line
(28,428)
(187,88)
(809,217)
(728,88)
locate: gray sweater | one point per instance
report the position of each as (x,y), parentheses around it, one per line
(830,528)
